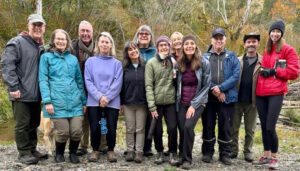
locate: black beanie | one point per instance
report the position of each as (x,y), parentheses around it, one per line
(278,24)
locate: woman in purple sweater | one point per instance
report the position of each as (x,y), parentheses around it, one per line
(103,79)
(193,80)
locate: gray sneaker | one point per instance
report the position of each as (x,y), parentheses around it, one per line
(159,158)
(186,165)
(173,159)
(28,159)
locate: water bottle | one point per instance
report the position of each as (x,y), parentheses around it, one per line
(102,123)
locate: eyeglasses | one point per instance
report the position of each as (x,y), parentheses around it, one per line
(60,39)
(163,45)
(38,24)
(144,34)
(84,30)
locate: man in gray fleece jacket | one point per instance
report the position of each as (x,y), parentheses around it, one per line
(20,63)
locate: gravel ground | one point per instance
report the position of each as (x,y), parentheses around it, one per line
(9,161)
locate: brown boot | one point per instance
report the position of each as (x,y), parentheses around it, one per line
(94,156)
(129,156)
(138,157)
(111,156)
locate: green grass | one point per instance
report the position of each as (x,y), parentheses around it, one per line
(5,104)
(293,114)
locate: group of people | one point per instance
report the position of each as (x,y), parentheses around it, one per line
(81,83)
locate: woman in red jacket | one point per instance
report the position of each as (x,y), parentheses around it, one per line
(280,63)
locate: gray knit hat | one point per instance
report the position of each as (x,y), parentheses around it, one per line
(163,39)
(278,24)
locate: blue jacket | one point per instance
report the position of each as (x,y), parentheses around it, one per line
(148,53)
(61,84)
(231,74)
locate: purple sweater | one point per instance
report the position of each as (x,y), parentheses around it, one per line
(103,77)
(189,85)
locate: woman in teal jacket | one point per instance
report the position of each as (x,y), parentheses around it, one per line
(63,95)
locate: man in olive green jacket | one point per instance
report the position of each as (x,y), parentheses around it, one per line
(250,64)
(160,94)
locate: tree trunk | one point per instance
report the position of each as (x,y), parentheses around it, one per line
(39,7)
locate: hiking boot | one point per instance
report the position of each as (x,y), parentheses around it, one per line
(130,155)
(94,156)
(233,155)
(111,156)
(138,158)
(159,158)
(81,152)
(248,157)
(74,158)
(273,164)
(225,160)
(39,155)
(148,153)
(207,158)
(173,159)
(28,159)
(104,150)
(262,160)
(186,165)
(59,158)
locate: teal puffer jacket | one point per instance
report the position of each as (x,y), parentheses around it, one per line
(61,84)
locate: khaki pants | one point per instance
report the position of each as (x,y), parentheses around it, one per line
(68,128)
(135,118)
(250,114)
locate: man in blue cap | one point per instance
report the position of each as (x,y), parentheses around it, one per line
(225,71)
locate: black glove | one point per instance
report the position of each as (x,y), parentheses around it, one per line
(266,72)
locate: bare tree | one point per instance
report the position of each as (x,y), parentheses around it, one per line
(239,28)
(223,13)
(39,7)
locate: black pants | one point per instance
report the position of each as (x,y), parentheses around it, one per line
(186,130)
(169,113)
(94,115)
(27,116)
(268,108)
(224,114)
(148,142)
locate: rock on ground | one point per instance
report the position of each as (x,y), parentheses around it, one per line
(9,161)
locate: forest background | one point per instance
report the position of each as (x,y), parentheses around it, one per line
(122,18)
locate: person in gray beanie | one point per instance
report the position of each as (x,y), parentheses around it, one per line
(160,94)
(278,24)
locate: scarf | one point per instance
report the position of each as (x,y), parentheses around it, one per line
(87,51)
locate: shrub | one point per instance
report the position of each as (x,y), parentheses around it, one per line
(5,104)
